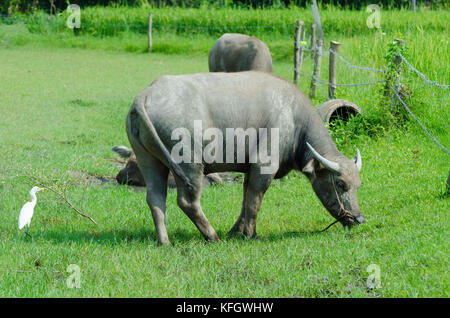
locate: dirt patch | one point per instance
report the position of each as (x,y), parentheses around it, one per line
(84,179)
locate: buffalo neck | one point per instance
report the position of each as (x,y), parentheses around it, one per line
(316,134)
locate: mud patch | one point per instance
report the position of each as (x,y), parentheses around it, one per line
(84,179)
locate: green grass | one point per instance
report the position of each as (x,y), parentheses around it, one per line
(109,21)
(63,107)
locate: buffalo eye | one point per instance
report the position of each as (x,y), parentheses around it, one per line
(341,185)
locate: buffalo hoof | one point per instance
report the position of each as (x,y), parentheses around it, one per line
(251,235)
(235,232)
(213,238)
(164,243)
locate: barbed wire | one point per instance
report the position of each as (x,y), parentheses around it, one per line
(323,93)
(370,69)
(422,75)
(418,121)
(323,51)
(349,65)
(337,84)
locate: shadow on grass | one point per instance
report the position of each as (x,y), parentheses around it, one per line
(106,237)
(278,236)
(145,235)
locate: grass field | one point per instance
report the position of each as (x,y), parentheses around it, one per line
(63,107)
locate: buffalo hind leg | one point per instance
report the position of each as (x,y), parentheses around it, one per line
(257,185)
(189,202)
(238,227)
(155,174)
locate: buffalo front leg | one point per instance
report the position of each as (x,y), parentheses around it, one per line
(189,201)
(257,186)
(238,227)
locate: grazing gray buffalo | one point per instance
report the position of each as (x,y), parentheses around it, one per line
(131,174)
(165,115)
(234,52)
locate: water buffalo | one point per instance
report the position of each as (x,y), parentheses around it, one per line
(234,52)
(131,174)
(173,106)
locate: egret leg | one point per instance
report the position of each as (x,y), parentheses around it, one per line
(26,232)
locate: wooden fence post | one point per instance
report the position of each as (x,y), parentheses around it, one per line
(334,48)
(395,81)
(302,49)
(414,5)
(52,7)
(317,64)
(297,67)
(150,42)
(313,39)
(397,60)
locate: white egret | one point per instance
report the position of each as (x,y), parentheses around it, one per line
(26,213)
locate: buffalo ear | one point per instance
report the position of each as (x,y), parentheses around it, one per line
(123,151)
(310,169)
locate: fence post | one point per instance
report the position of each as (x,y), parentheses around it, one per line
(317,64)
(397,60)
(302,50)
(297,67)
(313,39)
(395,81)
(52,7)
(334,48)
(414,5)
(150,42)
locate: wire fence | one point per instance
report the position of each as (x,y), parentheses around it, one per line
(339,84)
(418,121)
(371,69)
(325,52)
(402,102)
(362,68)
(421,74)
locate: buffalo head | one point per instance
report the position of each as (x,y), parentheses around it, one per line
(336,182)
(130,174)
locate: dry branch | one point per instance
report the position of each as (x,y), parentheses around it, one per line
(62,195)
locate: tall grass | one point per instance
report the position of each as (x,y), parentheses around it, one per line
(109,21)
